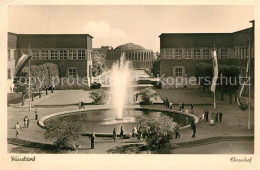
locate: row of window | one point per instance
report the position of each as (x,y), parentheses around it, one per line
(193,53)
(58,54)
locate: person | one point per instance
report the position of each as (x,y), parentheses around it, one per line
(82,105)
(28,122)
(36,114)
(191,106)
(167,102)
(170,105)
(187,110)
(92,139)
(206,115)
(139,135)
(79,105)
(17,127)
(177,131)
(220,116)
(203,116)
(114,134)
(121,132)
(194,130)
(182,106)
(25,121)
(216,117)
(134,132)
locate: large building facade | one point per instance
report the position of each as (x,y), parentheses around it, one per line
(139,57)
(180,53)
(70,52)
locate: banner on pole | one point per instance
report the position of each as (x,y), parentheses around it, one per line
(215,67)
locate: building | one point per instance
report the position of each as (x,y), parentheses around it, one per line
(70,52)
(12,41)
(180,52)
(139,57)
(101,52)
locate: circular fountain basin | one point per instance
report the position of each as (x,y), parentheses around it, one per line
(105,120)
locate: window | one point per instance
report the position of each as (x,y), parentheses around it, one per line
(63,54)
(72,54)
(81,54)
(206,53)
(178,53)
(72,72)
(35,54)
(54,54)
(168,53)
(178,71)
(223,53)
(9,54)
(9,74)
(196,53)
(187,53)
(45,54)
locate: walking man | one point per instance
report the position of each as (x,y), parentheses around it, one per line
(194,130)
(220,116)
(177,130)
(92,139)
(206,115)
(17,127)
(25,121)
(121,132)
(114,134)
(36,114)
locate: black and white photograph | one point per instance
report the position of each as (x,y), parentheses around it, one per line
(105,80)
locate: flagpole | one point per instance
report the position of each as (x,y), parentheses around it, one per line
(214,90)
(29,81)
(249,109)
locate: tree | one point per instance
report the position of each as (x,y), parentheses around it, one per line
(99,96)
(158,130)
(21,85)
(146,95)
(52,72)
(98,64)
(204,74)
(156,68)
(228,80)
(66,130)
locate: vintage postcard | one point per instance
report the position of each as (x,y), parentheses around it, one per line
(130,85)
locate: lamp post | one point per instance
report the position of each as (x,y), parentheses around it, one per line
(249,107)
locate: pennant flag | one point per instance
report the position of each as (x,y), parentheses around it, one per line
(215,66)
(21,63)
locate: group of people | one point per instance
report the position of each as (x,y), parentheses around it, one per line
(81,105)
(215,116)
(26,122)
(168,104)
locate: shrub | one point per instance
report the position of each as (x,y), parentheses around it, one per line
(146,95)
(66,131)
(158,130)
(99,96)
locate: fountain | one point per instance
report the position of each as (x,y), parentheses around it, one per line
(120,82)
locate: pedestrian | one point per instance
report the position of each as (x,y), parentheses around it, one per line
(216,117)
(191,106)
(206,115)
(28,122)
(17,127)
(136,96)
(194,130)
(114,134)
(82,105)
(134,132)
(121,132)
(139,135)
(36,114)
(167,103)
(25,121)
(79,105)
(92,139)
(177,131)
(220,116)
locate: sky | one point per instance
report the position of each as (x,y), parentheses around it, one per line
(116,25)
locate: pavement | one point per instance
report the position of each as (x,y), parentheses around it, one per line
(234,120)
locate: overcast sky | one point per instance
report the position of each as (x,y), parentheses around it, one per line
(116,25)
